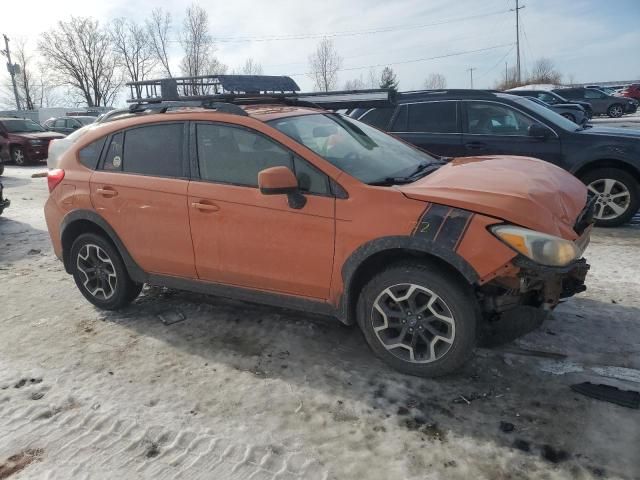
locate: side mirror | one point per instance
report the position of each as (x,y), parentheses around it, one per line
(538,131)
(281,180)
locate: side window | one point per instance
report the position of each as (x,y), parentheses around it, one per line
(236,155)
(90,154)
(547,98)
(592,94)
(495,119)
(572,94)
(433,117)
(378,117)
(59,123)
(113,155)
(310,179)
(400,123)
(154,150)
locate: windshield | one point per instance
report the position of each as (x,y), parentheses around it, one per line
(19,125)
(551,116)
(354,147)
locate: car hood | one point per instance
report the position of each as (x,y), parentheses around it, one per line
(39,135)
(611,132)
(520,190)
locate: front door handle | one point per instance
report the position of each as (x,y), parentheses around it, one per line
(107,192)
(476,145)
(208,207)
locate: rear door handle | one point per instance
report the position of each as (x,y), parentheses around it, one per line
(476,145)
(205,206)
(107,192)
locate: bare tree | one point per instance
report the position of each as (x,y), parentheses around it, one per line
(324,64)
(544,71)
(158,30)
(133,48)
(435,81)
(372,78)
(199,48)
(79,54)
(251,67)
(355,84)
(510,80)
(26,81)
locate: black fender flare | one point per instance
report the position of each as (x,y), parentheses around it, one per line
(135,272)
(414,244)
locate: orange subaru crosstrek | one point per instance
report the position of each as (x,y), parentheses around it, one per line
(307,209)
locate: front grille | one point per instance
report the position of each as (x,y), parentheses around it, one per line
(586,216)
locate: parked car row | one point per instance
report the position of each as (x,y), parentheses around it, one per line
(602,103)
(457,123)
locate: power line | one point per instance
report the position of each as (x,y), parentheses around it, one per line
(486,72)
(269,38)
(454,54)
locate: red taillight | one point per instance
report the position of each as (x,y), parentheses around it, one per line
(54,177)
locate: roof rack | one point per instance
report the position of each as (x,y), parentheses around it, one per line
(220,92)
(461,92)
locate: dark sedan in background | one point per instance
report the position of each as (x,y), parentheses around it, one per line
(67,125)
(552,98)
(458,123)
(601,102)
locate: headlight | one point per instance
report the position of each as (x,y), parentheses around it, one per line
(35,142)
(539,247)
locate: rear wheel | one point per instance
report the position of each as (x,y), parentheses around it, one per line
(419,319)
(100,273)
(615,110)
(617,195)
(18,157)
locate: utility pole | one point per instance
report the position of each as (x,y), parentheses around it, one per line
(506,73)
(517,10)
(470,70)
(12,70)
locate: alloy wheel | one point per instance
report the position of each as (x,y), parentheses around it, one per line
(18,156)
(99,273)
(616,111)
(413,323)
(613,198)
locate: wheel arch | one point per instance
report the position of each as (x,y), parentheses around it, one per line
(378,254)
(608,163)
(78,222)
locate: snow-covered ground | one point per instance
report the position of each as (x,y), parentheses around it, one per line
(239,391)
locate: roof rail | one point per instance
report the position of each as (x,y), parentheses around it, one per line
(449,91)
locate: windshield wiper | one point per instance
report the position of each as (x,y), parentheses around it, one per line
(420,171)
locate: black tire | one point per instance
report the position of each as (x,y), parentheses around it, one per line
(122,291)
(18,156)
(597,176)
(568,116)
(615,111)
(1,168)
(457,297)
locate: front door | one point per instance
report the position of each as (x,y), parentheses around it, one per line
(244,238)
(432,126)
(493,128)
(140,189)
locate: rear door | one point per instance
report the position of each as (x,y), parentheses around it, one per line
(244,238)
(598,100)
(493,128)
(60,126)
(140,189)
(433,126)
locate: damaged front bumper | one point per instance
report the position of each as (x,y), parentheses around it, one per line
(532,285)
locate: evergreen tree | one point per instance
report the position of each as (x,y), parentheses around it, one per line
(388,79)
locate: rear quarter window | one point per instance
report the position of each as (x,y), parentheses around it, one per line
(90,155)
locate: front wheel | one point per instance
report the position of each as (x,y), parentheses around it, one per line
(419,319)
(18,156)
(100,273)
(617,195)
(615,111)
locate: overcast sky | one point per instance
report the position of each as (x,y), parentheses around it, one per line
(592,40)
